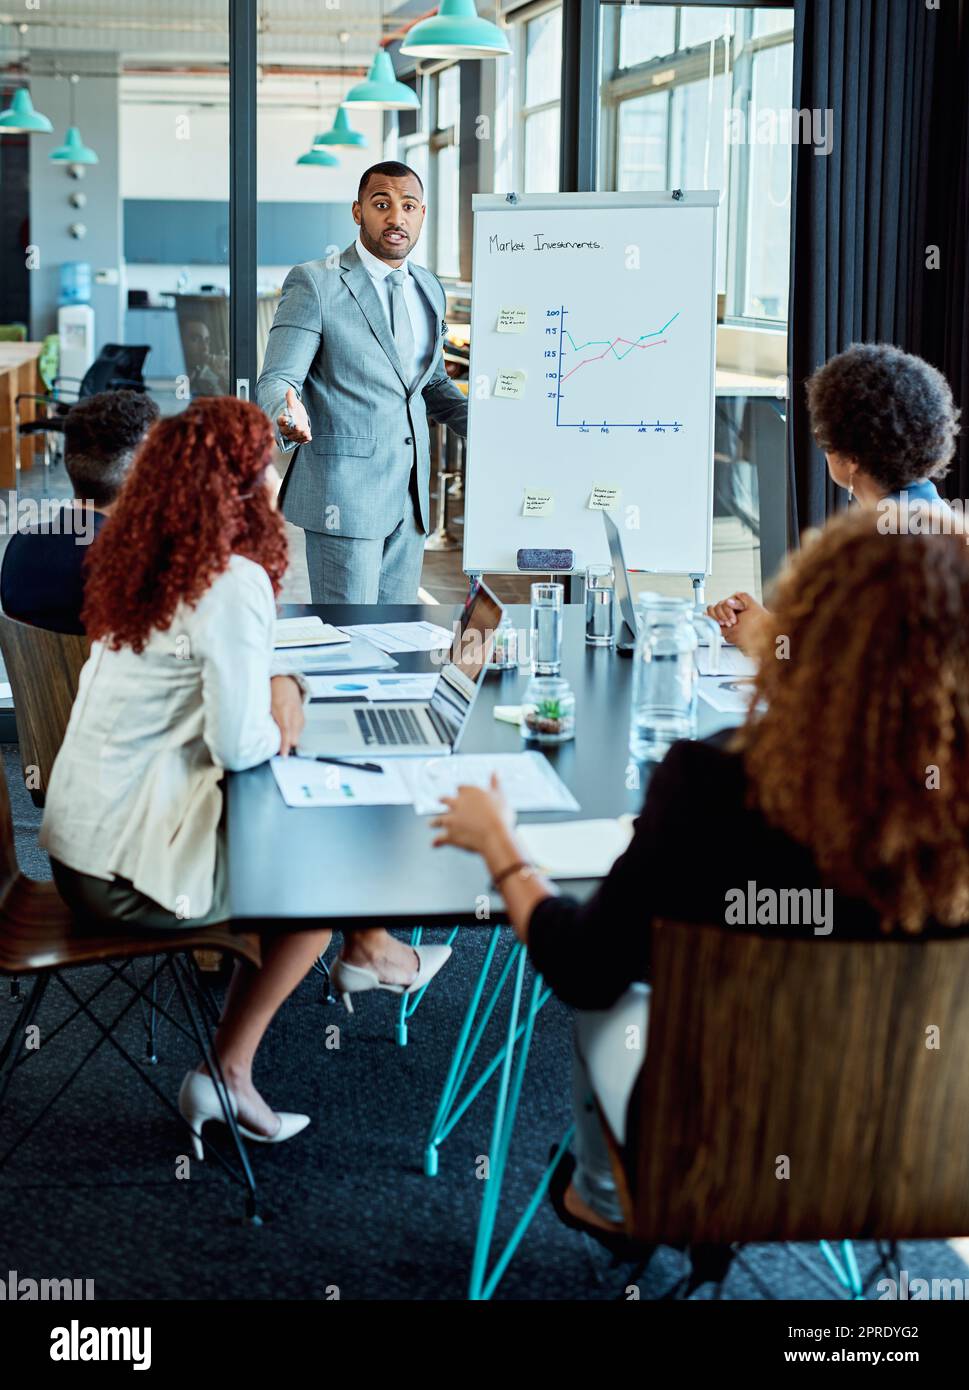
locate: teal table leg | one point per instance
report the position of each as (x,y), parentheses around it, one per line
(409,1002)
(504,1124)
(847,1274)
(457,1057)
(492,1192)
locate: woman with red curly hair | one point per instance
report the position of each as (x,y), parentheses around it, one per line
(180,606)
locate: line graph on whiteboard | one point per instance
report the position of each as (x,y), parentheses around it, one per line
(594,380)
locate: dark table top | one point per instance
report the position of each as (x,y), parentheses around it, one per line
(365,866)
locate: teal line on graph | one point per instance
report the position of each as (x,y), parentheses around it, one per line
(610,345)
(606,342)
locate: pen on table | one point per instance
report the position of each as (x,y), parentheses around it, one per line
(342,762)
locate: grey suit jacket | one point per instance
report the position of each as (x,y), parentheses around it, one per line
(330,341)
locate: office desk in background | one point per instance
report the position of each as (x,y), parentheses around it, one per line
(373,866)
(18,374)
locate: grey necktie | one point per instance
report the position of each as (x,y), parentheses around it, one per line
(401,325)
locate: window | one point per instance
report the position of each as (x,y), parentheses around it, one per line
(541,84)
(683,89)
(445,150)
(675,113)
(431,149)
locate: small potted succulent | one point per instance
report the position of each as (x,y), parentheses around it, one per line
(548,710)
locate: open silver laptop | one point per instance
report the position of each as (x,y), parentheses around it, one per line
(626,636)
(387,729)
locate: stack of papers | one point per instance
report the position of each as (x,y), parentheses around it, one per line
(306,632)
(403,637)
(528,780)
(304,782)
(403,686)
(732,662)
(576,848)
(353,654)
(727,694)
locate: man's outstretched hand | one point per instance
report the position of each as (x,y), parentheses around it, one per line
(294,423)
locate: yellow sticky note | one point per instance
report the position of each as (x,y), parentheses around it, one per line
(537,503)
(603,497)
(512,320)
(510,385)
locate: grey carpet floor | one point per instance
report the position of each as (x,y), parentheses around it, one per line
(99,1190)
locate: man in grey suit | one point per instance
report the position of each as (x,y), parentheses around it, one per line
(353,369)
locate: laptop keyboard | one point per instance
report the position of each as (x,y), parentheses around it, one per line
(390,727)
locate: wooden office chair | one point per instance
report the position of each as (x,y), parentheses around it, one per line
(43,669)
(817,1059)
(40,938)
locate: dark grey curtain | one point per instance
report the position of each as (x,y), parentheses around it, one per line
(892,75)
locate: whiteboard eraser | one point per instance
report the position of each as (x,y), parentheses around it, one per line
(545,560)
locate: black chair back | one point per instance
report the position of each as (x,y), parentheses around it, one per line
(117,365)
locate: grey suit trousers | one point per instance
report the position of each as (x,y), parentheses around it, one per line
(352,569)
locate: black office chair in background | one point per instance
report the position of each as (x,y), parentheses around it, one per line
(117,366)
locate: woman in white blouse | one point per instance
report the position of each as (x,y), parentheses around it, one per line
(180,604)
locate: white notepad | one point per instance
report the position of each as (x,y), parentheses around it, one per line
(306,632)
(576,848)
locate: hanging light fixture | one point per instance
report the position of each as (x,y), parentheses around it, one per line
(341,133)
(316,155)
(381,91)
(73,150)
(456,31)
(20,118)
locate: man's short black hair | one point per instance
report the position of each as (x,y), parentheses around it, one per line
(101,434)
(392,170)
(891,412)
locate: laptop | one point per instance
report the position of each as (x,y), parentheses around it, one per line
(387,729)
(626,636)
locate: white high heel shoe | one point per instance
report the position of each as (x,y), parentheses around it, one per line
(356,979)
(198,1102)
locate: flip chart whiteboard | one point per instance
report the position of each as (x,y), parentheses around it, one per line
(592,378)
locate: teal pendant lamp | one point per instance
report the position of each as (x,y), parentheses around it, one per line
(73,150)
(341,133)
(315,155)
(320,158)
(20,118)
(456,31)
(381,91)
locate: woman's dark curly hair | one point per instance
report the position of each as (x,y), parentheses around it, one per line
(862,752)
(194,498)
(889,411)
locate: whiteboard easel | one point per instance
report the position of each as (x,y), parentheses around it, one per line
(611,298)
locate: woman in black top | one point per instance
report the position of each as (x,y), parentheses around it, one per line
(848,794)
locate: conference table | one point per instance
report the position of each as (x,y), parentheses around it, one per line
(352,867)
(19,375)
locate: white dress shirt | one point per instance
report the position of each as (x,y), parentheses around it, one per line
(422,318)
(135,788)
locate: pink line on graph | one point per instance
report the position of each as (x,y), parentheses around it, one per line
(601,355)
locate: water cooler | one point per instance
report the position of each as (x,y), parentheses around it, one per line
(75,325)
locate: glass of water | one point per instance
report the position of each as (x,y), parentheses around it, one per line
(547,629)
(600,606)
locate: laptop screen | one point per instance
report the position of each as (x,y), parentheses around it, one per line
(623,593)
(470,654)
